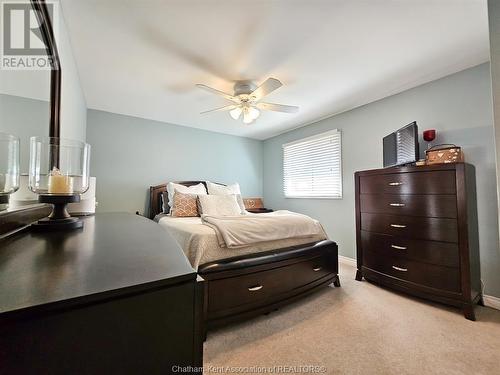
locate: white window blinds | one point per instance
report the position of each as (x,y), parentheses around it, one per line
(312,167)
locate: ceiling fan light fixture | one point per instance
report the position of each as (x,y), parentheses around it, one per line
(254,112)
(236,113)
(249,113)
(246,100)
(247,117)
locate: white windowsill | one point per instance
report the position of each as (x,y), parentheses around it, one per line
(306,197)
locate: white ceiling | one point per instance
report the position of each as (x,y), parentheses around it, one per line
(143,57)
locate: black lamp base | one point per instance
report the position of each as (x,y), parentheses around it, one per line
(59,218)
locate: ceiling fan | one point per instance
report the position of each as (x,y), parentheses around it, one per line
(247,100)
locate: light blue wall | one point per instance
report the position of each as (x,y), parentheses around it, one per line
(458,106)
(130,154)
(24,118)
(73,104)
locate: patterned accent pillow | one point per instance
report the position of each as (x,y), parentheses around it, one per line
(172,187)
(185,205)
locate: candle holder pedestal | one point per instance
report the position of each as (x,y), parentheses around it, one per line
(59,218)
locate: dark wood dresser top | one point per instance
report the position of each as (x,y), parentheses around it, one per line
(412,168)
(114,254)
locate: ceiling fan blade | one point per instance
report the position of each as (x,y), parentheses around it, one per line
(215,91)
(277,107)
(266,88)
(225,108)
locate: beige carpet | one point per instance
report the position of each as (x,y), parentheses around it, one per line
(360,328)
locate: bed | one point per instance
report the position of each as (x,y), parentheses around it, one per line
(248,281)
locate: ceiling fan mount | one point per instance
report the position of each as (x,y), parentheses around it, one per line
(246,99)
(244,88)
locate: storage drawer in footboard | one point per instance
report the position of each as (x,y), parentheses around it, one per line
(264,286)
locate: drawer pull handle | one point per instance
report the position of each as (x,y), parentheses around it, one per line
(398,226)
(316,269)
(400,269)
(395,183)
(255,288)
(399,247)
(397,204)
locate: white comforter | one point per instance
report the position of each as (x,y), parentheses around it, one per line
(201,245)
(244,230)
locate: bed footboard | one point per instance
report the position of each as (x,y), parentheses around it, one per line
(241,287)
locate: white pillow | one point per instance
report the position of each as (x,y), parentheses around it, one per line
(217,189)
(195,189)
(219,205)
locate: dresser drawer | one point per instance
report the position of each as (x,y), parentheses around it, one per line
(408,204)
(260,286)
(433,276)
(434,229)
(436,182)
(432,252)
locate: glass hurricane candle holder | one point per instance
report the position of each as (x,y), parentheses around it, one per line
(59,174)
(9,167)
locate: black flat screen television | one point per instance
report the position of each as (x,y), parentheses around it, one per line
(401,147)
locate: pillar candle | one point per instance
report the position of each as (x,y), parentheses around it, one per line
(59,184)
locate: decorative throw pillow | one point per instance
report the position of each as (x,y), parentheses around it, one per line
(172,187)
(219,205)
(217,189)
(185,205)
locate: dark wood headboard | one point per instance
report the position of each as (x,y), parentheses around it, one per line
(155,192)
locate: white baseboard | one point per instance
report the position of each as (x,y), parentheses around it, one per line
(347,260)
(490,301)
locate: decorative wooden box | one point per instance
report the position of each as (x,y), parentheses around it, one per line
(255,205)
(251,203)
(444,154)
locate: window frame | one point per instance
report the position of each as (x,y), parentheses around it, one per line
(312,138)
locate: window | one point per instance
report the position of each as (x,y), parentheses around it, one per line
(312,167)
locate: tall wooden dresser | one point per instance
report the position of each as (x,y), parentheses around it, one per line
(416,232)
